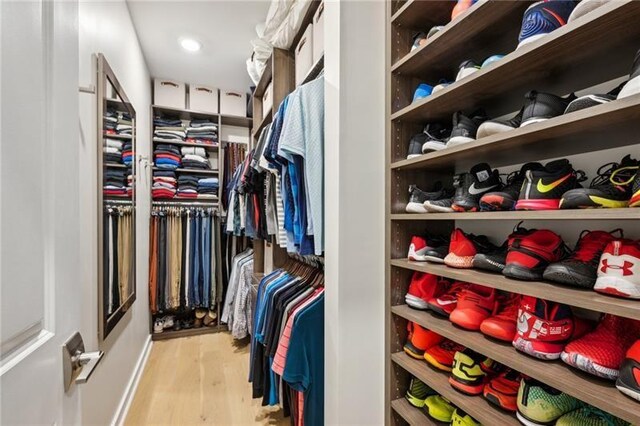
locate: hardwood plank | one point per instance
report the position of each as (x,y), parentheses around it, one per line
(611,125)
(587,388)
(578,214)
(199,380)
(569,295)
(423,14)
(412,415)
(488,28)
(561,62)
(477,407)
(173,334)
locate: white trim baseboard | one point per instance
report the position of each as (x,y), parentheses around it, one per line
(125,403)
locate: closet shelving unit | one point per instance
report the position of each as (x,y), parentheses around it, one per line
(221,120)
(280,72)
(593,49)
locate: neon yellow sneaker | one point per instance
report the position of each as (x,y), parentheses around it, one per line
(539,404)
(460,418)
(439,408)
(467,375)
(418,392)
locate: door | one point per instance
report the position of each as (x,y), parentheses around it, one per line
(40,293)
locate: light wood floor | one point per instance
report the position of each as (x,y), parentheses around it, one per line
(199,380)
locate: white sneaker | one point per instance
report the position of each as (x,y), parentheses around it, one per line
(168,321)
(158,325)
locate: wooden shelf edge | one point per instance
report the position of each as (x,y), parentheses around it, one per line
(558,125)
(517,55)
(201,145)
(236,120)
(263,123)
(627,213)
(171,334)
(586,299)
(265,78)
(599,393)
(479,408)
(412,415)
(184,111)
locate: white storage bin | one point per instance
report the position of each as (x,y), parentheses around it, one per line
(304,55)
(233,103)
(169,93)
(318,34)
(203,98)
(267,100)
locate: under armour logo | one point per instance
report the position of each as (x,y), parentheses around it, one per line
(626,267)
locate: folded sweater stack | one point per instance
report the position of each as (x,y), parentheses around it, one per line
(167,156)
(188,186)
(195,158)
(114,183)
(202,131)
(170,130)
(164,184)
(112,150)
(208,187)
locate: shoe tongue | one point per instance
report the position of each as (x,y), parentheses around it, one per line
(481,172)
(557,164)
(531,166)
(628,161)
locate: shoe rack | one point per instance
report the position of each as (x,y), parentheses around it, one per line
(596,48)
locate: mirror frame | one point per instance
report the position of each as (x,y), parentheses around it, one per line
(106,75)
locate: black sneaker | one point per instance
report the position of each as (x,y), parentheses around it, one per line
(442,205)
(506,198)
(470,187)
(496,260)
(465,127)
(543,106)
(434,250)
(632,87)
(588,101)
(635,192)
(611,188)
(415,145)
(492,127)
(543,189)
(417,197)
(581,267)
(436,137)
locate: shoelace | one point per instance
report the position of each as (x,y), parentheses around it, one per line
(590,249)
(610,172)
(509,307)
(515,178)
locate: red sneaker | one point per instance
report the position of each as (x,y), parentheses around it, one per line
(503,390)
(543,328)
(528,257)
(629,379)
(602,351)
(619,269)
(445,303)
(441,355)
(463,247)
(475,304)
(429,249)
(419,340)
(502,325)
(424,287)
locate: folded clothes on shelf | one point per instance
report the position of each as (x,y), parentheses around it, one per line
(166,122)
(127,153)
(194,150)
(113,143)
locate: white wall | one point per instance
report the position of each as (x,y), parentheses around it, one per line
(354,197)
(106,27)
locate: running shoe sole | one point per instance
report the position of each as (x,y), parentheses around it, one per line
(563,275)
(631,393)
(458,140)
(521,273)
(533,120)
(542,204)
(585,364)
(434,259)
(432,361)
(631,88)
(627,374)
(526,422)
(456,261)
(436,209)
(438,310)
(416,303)
(496,202)
(481,261)
(432,146)
(617,286)
(527,346)
(412,156)
(415,208)
(489,128)
(416,402)
(581,200)
(461,209)
(493,396)
(466,389)
(412,351)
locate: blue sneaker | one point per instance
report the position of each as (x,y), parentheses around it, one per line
(490,60)
(543,17)
(422,92)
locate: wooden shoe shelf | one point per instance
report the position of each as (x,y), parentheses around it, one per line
(593,49)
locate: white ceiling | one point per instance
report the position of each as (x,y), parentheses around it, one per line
(225,29)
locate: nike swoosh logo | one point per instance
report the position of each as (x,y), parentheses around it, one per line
(546,188)
(446,302)
(474,191)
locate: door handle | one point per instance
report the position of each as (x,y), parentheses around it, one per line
(77,364)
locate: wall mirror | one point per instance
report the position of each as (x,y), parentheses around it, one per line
(116,200)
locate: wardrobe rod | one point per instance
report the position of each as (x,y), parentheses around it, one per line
(118,202)
(184,204)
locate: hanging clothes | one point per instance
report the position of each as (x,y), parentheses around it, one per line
(287,344)
(184,259)
(236,310)
(118,248)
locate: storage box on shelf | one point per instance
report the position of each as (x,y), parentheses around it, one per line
(574,57)
(233,103)
(304,54)
(169,93)
(203,98)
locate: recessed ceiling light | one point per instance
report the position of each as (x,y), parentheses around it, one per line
(190,44)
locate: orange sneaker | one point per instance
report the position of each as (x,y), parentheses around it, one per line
(503,390)
(420,339)
(475,304)
(502,325)
(441,355)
